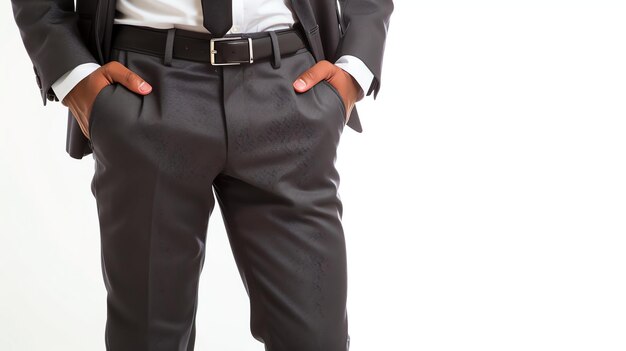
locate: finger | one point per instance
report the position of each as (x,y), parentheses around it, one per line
(321,70)
(117,72)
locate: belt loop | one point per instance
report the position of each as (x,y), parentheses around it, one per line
(169,47)
(275,49)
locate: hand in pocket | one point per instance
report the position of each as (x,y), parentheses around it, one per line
(347,87)
(81,98)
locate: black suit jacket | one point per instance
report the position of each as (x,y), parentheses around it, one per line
(59,37)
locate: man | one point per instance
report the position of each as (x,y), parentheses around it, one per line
(177,98)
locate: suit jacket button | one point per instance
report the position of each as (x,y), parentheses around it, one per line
(52,97)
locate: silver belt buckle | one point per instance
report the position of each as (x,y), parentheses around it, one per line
(213,51)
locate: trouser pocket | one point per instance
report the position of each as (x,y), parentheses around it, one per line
(101,115)
(325,85)
(96,107)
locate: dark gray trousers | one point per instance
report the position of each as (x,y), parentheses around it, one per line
(269,155)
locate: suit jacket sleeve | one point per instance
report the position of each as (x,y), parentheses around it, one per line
(364,25)
(50,34)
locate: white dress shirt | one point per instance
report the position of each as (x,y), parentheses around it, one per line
(248,16)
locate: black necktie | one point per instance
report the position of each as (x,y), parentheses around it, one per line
(218,16)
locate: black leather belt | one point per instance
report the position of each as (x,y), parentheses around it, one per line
(197,46)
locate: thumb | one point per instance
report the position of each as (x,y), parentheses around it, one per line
(313,75)
(117,72)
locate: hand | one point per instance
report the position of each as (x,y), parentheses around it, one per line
(345,84)
(81,98)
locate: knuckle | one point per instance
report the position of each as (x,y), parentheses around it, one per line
(112,65)
(128,76)
(309,74)
(110,68)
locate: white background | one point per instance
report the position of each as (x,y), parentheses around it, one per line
(484,202)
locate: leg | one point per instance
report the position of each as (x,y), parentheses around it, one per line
(280,204)
(156,157)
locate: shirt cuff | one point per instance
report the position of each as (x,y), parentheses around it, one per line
(357,69)
(70,79)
